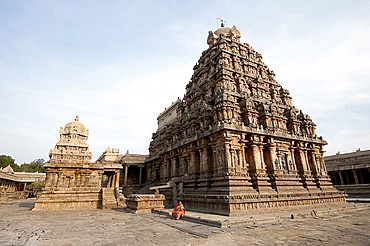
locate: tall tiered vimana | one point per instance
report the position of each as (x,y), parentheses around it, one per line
(235,142)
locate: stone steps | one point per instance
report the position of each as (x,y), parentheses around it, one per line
(108,198)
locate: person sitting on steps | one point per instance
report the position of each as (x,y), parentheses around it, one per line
(179,211)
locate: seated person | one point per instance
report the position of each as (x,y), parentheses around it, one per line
(179,211)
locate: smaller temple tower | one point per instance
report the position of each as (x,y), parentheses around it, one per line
(72,146)
(72,181)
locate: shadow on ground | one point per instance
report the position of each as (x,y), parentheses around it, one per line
(29,205)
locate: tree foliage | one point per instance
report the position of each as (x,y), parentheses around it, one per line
(6,160)
(36,187)
(36,165)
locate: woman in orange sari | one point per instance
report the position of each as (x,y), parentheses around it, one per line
(179,211)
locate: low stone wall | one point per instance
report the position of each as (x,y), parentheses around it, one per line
(14,195)
(69,199)
(137,203)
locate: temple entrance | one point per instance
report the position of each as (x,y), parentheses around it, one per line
(108,179)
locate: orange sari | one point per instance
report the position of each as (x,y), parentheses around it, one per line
(178,212)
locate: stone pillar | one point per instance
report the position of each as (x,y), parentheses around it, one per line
(306,161)
(256,157)
(227,155)
(240,157)
(113,180)
(272,150)
(117,178)
(168,168)
(341,178)
(215,158)
(316,168)
(322,162)
(243,160)
(140,175)
(109,181)
(303,160)
(263,165)
(172,167)
(293,158)
(126,172)
(355,176)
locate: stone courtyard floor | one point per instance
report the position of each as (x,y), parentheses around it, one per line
(344,225)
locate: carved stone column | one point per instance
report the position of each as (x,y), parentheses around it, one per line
(256,157)
(272,150)
(243,159)
(355,176)
(171,161)
(305,156)
(227,155)
(302,159)
(341,178)
(140,175)
(263,165)
(315,168)
(293,159)
(126,172)
(117,178)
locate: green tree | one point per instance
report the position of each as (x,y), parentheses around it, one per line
(36,187)
(6,160)
(25,167)
(36,165)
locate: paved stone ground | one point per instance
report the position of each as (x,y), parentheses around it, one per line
(21,226)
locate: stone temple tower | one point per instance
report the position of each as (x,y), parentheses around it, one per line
(72,145)
(72,181)
(235,141)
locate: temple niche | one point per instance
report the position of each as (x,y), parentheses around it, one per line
(235,141)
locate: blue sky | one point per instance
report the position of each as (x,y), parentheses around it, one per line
(118,64)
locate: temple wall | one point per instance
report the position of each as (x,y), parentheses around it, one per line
(71,186)
(265,171)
